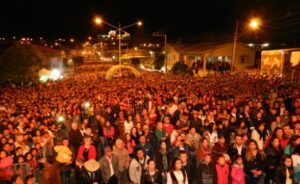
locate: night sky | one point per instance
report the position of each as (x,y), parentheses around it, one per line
(181,19)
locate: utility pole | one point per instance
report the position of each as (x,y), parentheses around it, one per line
(157,34)
(234,43)
(120,43)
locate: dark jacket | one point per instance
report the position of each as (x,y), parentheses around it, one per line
(233,152)
(75,138)
(219,150)
(257,163)
(90,178)
(206,173)
(190,170)
(148,179)
(148,149)
(159,160)
(105,168)
(273,157)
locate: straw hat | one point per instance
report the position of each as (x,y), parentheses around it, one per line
(91,165)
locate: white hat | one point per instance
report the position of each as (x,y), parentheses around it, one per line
(91,165)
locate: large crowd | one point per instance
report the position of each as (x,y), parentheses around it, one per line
(158,129)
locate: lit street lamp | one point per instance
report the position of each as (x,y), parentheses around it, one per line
(99,21)
(254,24)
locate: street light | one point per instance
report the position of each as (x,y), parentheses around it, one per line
(99,21)
(254,24)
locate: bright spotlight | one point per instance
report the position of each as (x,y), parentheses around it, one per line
(60,119)
(55,74)
(87,105)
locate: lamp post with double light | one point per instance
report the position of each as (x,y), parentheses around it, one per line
(119,28)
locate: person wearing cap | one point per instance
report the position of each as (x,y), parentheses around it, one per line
(109,167)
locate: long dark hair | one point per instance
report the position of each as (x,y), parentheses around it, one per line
(172,169)
(283,167)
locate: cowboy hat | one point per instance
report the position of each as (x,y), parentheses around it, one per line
(91,165)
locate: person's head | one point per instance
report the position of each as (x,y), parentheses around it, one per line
(20,159)
(142,139)
(252,145)
(65,142)
(151,164)
(205,142)
(140,154)
(183,156)
(16,179)
(3,154)
(166,120)
(287,161)
(28,156)
(221,139)
(176,165)
(119,144)
(238,139)
(193,130)
(159,126)
(207,158)
(221,160)
(108,152)
(107,123)
(79,162)
(74,126)
(87,140)
(239,160)
(146,128)
(163,145)
(275,142)
(30,179)
(127,137)
(278,132)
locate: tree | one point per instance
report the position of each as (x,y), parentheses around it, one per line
(135,61)
(181,68)
(21,63)
(159,61)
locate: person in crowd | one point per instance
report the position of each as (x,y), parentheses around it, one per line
(296,164)
(110,168)
(30,179)
(237,174)
(75,137)
(123,158)
(151,175)
(109,133)
(188,166)
(16,179)
(273,155)
(146,146)
(87,151)
(293,143)
(285,172)
(137,166)
(91,173)
(260,135)
(237,148)
(254,163)
(222,170)
(206,170)
(220,148)
(177,174)
(160,133)
(6,162)
(203,149)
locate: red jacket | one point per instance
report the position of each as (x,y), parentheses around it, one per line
(5,168)
(222,173)
(91,152)
(108,132)
(237,175)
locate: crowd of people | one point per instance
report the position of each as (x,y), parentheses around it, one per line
(228,128)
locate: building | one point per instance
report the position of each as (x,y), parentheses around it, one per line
(207,55)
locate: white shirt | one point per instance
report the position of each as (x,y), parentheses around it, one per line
(110,166)
(128,126)
(179,176)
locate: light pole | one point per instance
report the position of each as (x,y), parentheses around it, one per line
(99,21)
(253,24)
(165,42)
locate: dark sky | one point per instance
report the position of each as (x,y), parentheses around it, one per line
(180,19)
